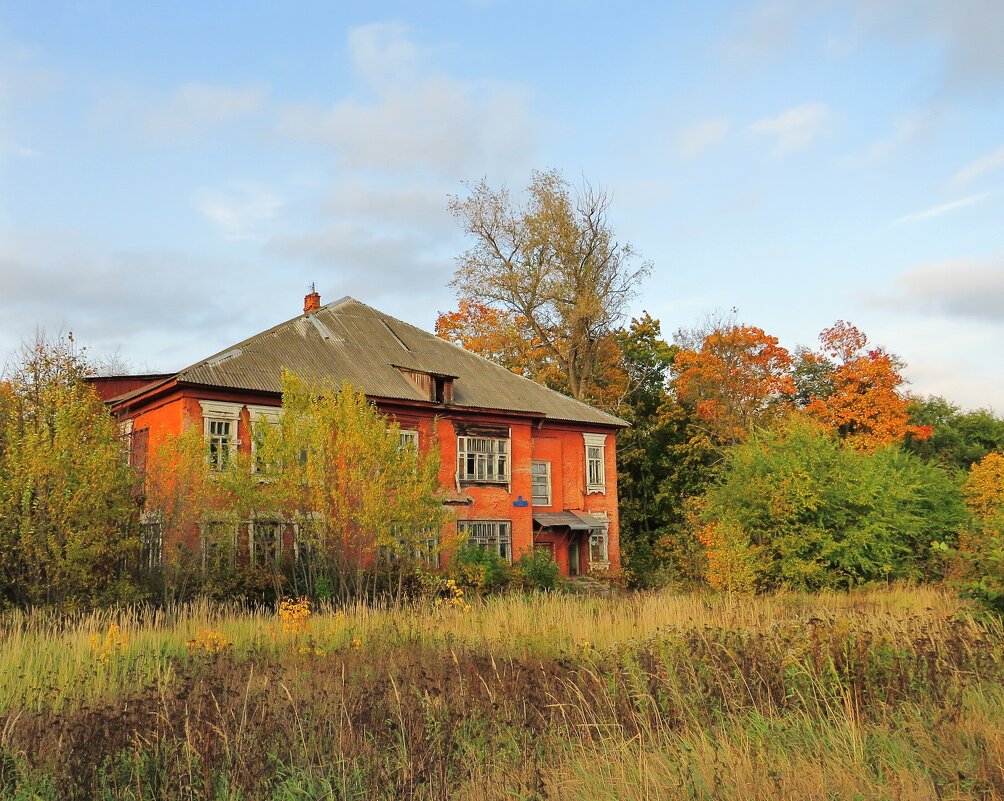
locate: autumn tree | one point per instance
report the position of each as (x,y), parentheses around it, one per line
(553,262)
(660,461)
(66,504)
(502,336)
(735,377)
(984,488)
(860,393)
(336,467)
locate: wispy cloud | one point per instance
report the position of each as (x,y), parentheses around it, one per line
(240,212)
(957,288)
(944,208)
(797,127)
(905,129)
(981,166)
(693,141)
(184,112)
(409,115)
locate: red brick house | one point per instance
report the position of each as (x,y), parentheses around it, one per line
(522,466)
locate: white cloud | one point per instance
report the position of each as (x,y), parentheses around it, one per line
(944,208)
(694,140)
(240,212)
(905,129)
(979,167)
(410,115)
(184,112)
(797,127)
(958,288)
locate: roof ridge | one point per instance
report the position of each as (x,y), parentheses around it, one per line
(276,327)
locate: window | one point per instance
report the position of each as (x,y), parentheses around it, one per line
(220,421)
(422,546)
(595,470)
(409,439)
(218,544)
(262,418)
(540,473)
(598,546)
(483,459)
(492,535)
(265,538)
(221,438)
(125,436)
(151,545)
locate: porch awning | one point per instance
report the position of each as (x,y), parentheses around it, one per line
(576,521)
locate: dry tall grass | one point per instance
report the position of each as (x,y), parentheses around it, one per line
(894,693)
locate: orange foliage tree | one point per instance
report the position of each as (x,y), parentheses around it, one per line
(502,336)
(862,400)
(736,378)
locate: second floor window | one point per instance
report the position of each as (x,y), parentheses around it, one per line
(221,438)
(408,439)
(483,459)
(220,420)
(541,483)
(596,480)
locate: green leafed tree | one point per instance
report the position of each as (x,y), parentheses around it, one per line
(366,506)
(66,503)
(801,510)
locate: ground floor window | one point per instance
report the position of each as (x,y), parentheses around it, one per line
(218,545)
(494,535)
(265,540)
(598,550)
(151,541)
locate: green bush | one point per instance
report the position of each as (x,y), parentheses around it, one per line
(818,514)
(537,570)
(480,569)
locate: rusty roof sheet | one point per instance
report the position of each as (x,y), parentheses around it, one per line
(350,341)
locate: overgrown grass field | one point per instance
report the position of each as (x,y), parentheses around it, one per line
(895,693)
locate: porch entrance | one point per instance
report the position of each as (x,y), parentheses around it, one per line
(574,557)
(565,535)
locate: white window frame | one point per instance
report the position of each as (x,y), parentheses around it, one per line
(220,412)
(125,435)
(229,532)
(598,441)
(490,457)
(604,536)
(259,416)
(547,477)
(488,534)
(151,558)
(252,525)
(408,438)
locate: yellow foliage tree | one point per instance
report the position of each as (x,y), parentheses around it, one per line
(984,487)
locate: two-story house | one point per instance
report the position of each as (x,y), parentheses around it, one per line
(522,466)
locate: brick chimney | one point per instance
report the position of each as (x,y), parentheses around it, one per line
(311,302)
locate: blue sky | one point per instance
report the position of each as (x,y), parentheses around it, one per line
(173,176)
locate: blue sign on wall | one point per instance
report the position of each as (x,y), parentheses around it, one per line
(520,502)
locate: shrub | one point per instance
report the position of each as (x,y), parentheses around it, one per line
(537,570)
(480,569)
(795,508)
